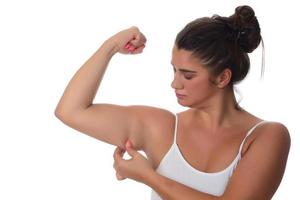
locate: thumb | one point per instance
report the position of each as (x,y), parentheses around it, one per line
(138,40)
(129,148)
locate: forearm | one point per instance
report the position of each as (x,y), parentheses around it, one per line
(82,88)
(169,189)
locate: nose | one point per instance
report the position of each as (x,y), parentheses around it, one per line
(176,84)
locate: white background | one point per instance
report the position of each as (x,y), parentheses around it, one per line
(43,44)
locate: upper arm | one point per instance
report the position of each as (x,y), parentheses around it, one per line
(260,170)
(113,124)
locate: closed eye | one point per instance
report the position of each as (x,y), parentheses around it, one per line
(188,76)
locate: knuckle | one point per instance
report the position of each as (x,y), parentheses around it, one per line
(135,28)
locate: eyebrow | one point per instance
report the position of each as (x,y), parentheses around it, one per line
(184,70)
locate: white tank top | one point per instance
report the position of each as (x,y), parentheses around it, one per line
(174,166)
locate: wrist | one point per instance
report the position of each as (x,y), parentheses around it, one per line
(110,47)
(151,179)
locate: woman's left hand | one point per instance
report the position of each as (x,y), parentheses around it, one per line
(137,168)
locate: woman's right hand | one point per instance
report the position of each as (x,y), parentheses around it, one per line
(129,41)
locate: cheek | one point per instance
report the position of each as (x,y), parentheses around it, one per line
(197,88)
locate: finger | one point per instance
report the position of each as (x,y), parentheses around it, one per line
(138,40)
(131,152)
(129,148)
(136,45)
(138,50)
(119,177)
(135,42)
(118,153)
(143,38)
(128,143)
(127,45)
(131,48)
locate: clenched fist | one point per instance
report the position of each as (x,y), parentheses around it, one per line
(129,41)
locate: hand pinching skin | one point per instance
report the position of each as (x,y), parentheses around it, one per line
(137,168)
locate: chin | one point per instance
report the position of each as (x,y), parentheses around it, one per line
(184,103)
(190,104)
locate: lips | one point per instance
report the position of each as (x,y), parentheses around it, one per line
(180,95)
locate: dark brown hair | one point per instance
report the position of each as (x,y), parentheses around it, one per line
(223,42)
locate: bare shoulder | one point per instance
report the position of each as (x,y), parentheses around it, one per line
(273,136)
(262,165)
(275,133)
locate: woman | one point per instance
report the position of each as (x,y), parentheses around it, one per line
(213,150)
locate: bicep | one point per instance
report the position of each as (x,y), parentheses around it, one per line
(109,123)
(260,171)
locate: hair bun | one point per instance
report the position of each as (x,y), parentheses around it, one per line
(245,13)
(244,20)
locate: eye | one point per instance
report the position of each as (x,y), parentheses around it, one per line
(188,76)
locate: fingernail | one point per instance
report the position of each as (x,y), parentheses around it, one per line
(127,46)
(131,48)
(128,143)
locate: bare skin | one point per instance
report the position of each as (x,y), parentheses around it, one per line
(207,151)
(257,176)
(212,127)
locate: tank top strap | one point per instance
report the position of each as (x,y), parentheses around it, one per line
(249,133)
(175,129)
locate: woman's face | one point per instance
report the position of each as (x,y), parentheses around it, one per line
(191,82)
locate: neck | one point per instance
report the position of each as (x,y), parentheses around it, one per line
(220,112)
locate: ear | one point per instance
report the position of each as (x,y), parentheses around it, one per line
(224,78)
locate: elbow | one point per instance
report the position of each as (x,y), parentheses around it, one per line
(65,116)
(62,117)
(66,113)
(60,114)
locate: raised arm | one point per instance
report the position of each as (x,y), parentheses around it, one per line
(109,123)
